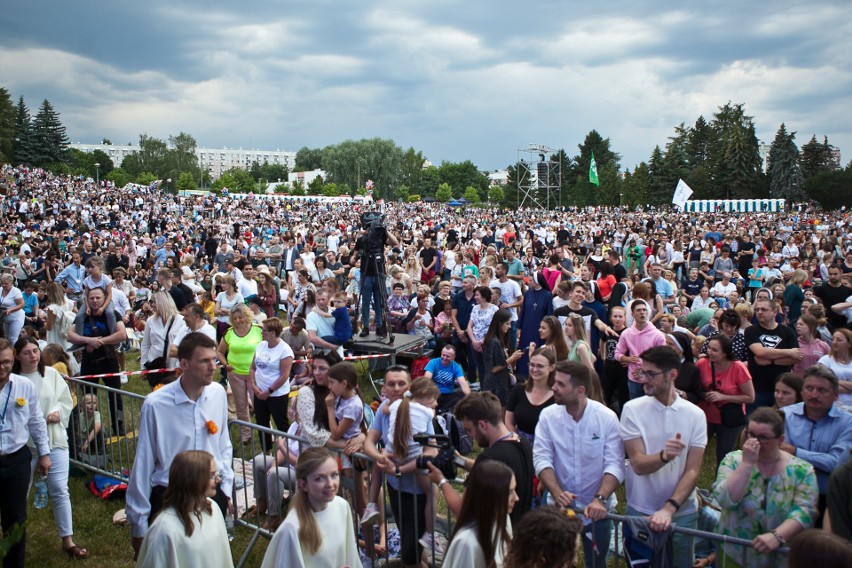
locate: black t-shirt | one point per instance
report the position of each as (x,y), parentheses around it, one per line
(428,255)
(782,337)
(831,295)
(619,272)
(744,262)
(524,412)
(589,316)
(518,456)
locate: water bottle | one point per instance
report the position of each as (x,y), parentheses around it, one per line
(41,497)
(229,525)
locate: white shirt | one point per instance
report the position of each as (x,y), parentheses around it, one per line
(580,453)
(722,290)
(267,363)
(510,291)
(20,422)
(53,396)
(465,550)
(183,331)
(420,417)
(647,418)
(154,338)
(247,287)
(166,544)
(171,423)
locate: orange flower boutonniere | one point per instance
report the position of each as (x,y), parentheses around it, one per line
(211,427)
(22,402)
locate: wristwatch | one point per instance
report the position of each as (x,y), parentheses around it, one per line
(601,498)
(442,482)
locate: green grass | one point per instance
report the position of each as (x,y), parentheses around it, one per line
(109,544)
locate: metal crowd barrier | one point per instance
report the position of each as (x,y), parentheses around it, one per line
(108,453)
(112,455)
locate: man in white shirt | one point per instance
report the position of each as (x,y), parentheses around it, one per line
(188,414)
(664,437)
(510,299)
(722,290)
(193,322)
(578,454)
(247,286)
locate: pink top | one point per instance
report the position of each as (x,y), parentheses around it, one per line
(634,342)
(812,351)
(727,382)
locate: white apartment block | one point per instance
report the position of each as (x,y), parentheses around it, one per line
(214,160)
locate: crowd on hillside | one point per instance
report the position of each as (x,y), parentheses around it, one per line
(562,341)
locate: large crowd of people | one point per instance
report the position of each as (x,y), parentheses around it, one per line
(561,340)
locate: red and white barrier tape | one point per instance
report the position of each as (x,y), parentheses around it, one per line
(150,371)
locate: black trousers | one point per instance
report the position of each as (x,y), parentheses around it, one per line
(276,408)
(15,482)
(116,404)
(159,491)
(409,512)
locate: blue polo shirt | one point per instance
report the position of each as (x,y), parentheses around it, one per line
(444,377)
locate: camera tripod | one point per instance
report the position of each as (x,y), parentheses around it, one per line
(376,260)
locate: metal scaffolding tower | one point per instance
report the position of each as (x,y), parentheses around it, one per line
(539,181)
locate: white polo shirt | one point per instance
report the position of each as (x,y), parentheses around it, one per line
(647,418)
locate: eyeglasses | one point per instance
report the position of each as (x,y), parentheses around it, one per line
(648,374)
(760,439)
(216,476)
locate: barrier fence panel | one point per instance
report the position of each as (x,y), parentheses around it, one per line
(262,480)
(102,428)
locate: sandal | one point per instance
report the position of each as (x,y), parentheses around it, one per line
(76,552)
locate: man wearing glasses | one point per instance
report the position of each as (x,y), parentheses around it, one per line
(772,349)
(664,437)
(816,430)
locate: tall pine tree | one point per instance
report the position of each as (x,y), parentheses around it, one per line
(7,126)
(50,141)
(23,135)
(817,158)
(785,174)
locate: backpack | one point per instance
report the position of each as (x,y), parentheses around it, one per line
(65,320)
(453,429)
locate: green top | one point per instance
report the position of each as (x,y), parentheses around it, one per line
(767,503)
(241,349)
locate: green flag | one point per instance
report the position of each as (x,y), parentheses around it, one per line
(593,172)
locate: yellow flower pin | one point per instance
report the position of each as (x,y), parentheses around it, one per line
(22,402)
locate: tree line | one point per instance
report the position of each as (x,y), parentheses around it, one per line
(719,158)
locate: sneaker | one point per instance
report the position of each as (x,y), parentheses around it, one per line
(427,541)
(364,332)
(370,516)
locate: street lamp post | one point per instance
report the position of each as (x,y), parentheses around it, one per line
(97,174)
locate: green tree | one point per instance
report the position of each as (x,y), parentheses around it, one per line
(472,194)
(580,191)
(49,138)
(413,198)
(635,186)
(146,178)
(402,193)
(658,189)
(330,190)
(8,116)
(23,134)
(119,177)
(428,182)
(831,189)
(181,157)
(315,186)
(817,158)
(411,168)
(698,140)
(186,182)
(308,159)
(785,174)
(461,175)
(733,154)
(237,180)
(444,193)
(495,194)
(152,156)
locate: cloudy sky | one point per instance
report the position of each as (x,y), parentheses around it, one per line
(459,80)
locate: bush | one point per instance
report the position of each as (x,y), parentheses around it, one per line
(413,198)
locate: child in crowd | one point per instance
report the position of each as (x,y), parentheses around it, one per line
(342,322)
(345,413)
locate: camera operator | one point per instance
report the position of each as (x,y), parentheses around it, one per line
(481,414)
(371,247)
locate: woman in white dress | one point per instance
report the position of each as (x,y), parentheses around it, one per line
(318,531)
(489,498)
(190,531)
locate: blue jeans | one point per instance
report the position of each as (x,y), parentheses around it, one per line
(683,545)
(513,336)
(600,531)
(634,389)
(371,292)
(761,398)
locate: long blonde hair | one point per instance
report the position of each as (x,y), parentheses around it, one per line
(310,460)
(166,309)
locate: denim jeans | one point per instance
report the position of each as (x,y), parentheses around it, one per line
(601,531)
(371,292)
(635,389)
(683,545)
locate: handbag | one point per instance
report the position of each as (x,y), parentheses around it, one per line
(161,361)
(731,413)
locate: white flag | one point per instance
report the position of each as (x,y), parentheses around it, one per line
(681,194)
